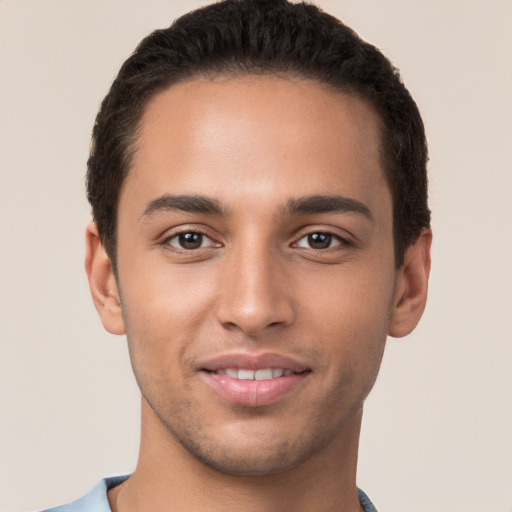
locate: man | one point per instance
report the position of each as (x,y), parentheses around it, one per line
(258,186)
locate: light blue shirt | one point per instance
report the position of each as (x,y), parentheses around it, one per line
(96,499)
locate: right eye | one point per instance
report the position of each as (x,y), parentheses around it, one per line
(189,241)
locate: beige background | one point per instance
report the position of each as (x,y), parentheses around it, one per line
(438,428)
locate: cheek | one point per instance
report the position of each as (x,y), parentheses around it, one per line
(161,316)
(350,314)
(165,297)
(352,297)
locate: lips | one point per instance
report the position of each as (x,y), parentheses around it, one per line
(253,381)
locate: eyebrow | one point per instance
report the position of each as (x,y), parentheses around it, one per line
(183,203)
(327,204)
(303,205)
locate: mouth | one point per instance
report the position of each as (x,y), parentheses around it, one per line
(247,374)
(254,381)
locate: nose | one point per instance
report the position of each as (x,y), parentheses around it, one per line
(254,294)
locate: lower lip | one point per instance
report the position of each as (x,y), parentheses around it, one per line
(254,393)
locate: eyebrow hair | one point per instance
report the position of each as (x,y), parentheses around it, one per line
(303,205)
(327,204)
(184,203)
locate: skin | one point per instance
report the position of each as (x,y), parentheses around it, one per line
(257,282)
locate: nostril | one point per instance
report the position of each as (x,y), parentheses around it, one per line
(253,310)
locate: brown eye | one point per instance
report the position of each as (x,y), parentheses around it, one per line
(189,241)
(319,241)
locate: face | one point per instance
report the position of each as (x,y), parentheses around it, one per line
(256,268)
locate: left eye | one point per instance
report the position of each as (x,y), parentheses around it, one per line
(189,241)
(319,241)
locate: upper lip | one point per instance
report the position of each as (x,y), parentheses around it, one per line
(247,361)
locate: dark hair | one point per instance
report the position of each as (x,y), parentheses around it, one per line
(239,37)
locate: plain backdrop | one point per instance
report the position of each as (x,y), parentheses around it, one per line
(437,433)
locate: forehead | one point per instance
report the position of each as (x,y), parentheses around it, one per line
(215,137)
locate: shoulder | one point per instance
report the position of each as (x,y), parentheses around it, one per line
(94,501)
(365,502)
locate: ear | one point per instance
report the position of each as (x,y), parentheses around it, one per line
(411,287)
(102,282)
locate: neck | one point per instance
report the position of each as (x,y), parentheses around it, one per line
(168,477)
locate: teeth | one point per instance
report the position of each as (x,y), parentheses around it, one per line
(245,375)
(263,374)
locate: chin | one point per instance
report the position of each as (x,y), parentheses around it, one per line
(248,462)
(251,453)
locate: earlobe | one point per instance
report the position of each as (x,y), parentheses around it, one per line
(411,287)
(102,282)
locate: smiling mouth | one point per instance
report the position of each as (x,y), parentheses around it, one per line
(261,374)
(253,388)
(254,380)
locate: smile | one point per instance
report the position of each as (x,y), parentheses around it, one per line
(254,380)
(247,374)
